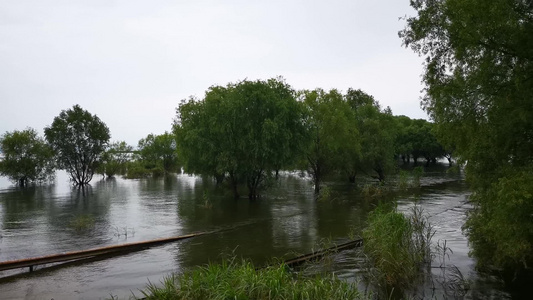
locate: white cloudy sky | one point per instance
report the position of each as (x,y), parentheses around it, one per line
(131,62)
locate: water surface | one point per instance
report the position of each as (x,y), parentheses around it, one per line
(286,221)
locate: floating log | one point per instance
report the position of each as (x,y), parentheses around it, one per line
(91,253)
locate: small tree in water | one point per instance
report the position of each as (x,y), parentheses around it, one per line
(78,140)
(27,157)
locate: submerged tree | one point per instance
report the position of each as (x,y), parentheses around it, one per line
(377,132)
(27,157)
(243,131)
(333,135)
(478,74)
(115,159)
(78,140)
(159,152)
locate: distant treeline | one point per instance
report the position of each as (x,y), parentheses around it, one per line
(243,133)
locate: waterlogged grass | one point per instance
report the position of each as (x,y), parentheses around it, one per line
(82,222)
(240,280)
(397,248)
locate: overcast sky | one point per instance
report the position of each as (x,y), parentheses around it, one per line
(131,62)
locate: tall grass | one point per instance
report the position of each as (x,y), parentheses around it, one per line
(397,248)
(233,279)
(418,172)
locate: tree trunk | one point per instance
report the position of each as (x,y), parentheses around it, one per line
(235,190)
(381,174)
(22,181)
(234,187)
(317,184)
(219,178)
(351,178)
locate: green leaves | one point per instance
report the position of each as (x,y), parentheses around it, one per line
(78,140)
(27,157)
(243,131)
(159,151)
(479,61)
(333,133)
(115,159)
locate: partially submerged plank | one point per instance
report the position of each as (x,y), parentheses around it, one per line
(76,255)
(319,254)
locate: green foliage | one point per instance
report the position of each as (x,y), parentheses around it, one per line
(501,228)
(243,131)
(377,135)
(418,172)
(115,159)
(136,170)
(403,180)
(417,139)
(397,247)
(479,61)
(78,140)
(241,280)
(374,190)
(27,157)
(325,194)
(333,135)
(158,153)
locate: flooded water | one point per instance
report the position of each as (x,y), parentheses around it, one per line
(286,222)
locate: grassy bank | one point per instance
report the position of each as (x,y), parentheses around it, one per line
(240,280)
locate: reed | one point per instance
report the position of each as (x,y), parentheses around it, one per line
(397,248)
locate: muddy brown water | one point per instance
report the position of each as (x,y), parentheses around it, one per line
(286,221)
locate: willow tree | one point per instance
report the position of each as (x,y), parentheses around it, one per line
(479,89)
(243,131)
(158,152)
(27,157)
(78,140)
(377,133)
(333,135)
(115,159)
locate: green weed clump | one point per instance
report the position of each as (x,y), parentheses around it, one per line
(396,247)
(240,280)
(325,194)
(418,172)
(403,180)
(82,222)
(375,191)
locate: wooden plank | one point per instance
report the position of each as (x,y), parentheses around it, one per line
(75,255)
(319,254)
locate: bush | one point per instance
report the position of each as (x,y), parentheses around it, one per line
(137,170)
(500,227)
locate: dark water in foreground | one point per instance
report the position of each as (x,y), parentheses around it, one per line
(287,221)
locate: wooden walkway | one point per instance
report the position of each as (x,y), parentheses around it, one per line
(91,253)
(138,246)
